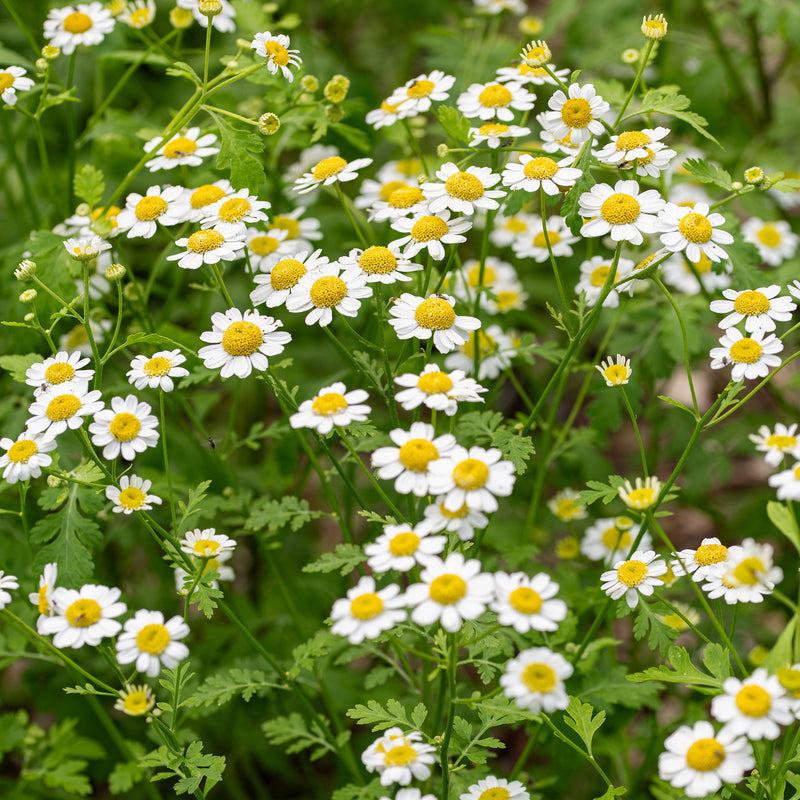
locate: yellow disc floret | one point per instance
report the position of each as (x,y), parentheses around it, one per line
(377,261)
(705,755)
(495,96)
(83,613)
(464,186)
(286,273)
(695,228)
(632,572)
(769,235)
(234,210)
(150,208)
(62,407)
(76,22)
(153,639)
(540,168)
(710,554)
(434,382)
(420,88)
(132,498)
(21,451)
(180,147)
(328,167)
(427,228)
(263,245)
(205,195)
(124,427)
(405,197)
(539,678)
(631,140)
(404,544)
(366,606)
(525,600)
(328,291)
(400,756)
(620,209)
(470,474)
(328,404)
(242,338)
(157,366)
(615,539)
(576,113)
(204,241)
(748,570)
(751,303)
(435,313)
(416,454)
(59,372)
(447,589)
(753,701)
(746,351)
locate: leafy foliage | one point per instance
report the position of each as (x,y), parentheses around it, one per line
(237,153)
(345,559)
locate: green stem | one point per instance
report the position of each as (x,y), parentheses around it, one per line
(587,756)
(350,215)
(635,428)
(22,172)
(448,728)
(165,454)
(206,58)
(556,274)
(645,57)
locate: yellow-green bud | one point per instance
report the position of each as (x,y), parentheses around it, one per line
(654,27)
(26,270)
(754,175)
(269,123)
(28,296)
(336,89)
(29,317)
(210,8)
(115,272)
(736,185)
(630,56)
(53,481)
(83,210)
(42,64)
(51,52)
(116,7)
(243,43)
(530,26)
(442,150)
(180,18)
(130,294)
(334,112)
(309,83)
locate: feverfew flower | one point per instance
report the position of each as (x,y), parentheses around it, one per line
(300,230)
(759,308)
(527,604)
(61,407)
(135,701)
(577,114)
(751,356)
(615,373)
(230,214)
(777,443)
(187,149)
(6,582)
(25,457)
(274,288)
(462,191)
(402,547)
(416,95)
(609,539)
(141,215)
(399,757)
(61,368)
(496,353)
(490,788)
(431,231)
(132,495)
(328,171)
(157,371)
(387,114)
(86,249)
(208,247)
(643,496)
(532,173)
(332,405)
(622,212)
(43,598)
(495,101)
(85,616)
(463,521)
(138,14)
(787,483)
(435,316)
(746,576)
(629,146)
(533,244)
(265,249)
(84,23)
(198,201)
(438,390)
(638,575)
(565,505)
(329,287)
(151,643)
(11,82)
(223,22)
(127,428)
(366,613)
(774,241)
(207,543)
(535,680)
(700,562)
(276,50)
(535,76)
(495,133)
(694,230)
(381,264)
(683,275)
(594,274)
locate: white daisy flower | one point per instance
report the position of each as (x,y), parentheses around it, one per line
(535,76)
(509,229)
(223,22)
(615,373)
(135,700)
(532,173)
(751,356)
(240,342)
(789,678)
(497,351)
(141,214)
(698,760)
(402,547)
(746,576)
(787,483)
(11,82)
(207,543)
(577,114)
(759,308)
(85,616)
(774,241)
(431,231)
(437,390)
(565,505)
(527,603)
(6,582)
(408,463)
(535,245)
(399,757)
(61,407)
(230,214)
(495,101)
(495,134)
(402,201)
(535,680)
(157,371)
(332,405)
(366,613)
(264,250)
(25,457)
(416,95)
(150,643)
(637,575)
(184,581)
(475,477)
(381,264)
(594,274)
(187,149)
(694,230)
(84,23)
(43,598)
(132,495)
(777,443)
(463,521)
(208,246)
(198,201)
(609,539)
(700,562)
(551,144)
(138,14)
(274,288)
(623,212)
(276,50)
(388,113)
(374,191)
(435,316)
(463,191)
(628,146)
(491,788)
(329,171)
(86,249)
(127,428)
(682,274)
(643,495)
(329,287)
(654,163)
(451,591)
(300,231)
(410,794)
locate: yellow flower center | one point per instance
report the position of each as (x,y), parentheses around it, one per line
(235,209)
(366,606)
(62,407)
(447,589)
(470,474)
(43,605)
(495,793)
(408,166)
(328,167)
(131,498)
(83,613)
(797,473)
(328,291)
(645,261)
(540,241)
(277,53)
(459,514)
(416,454)
(632,572)
(388,188)
(21,451)
(567,508)
(434,382)
(576,113)
(429,227)
(746,351)
(769,236)
(205,547)
(407,196)
(153,639)
(464,186)
(515,225)
(675,622)
(599,275)
(390,108)
(286,273)
(539,678)
(288,224)
(59,372)
(404,544)
(615,539)
(203,241)
(377,261)
(139,18)
(525,600)
(76,22)
(150,208)
(474,276)
(750,303)
(180,147)
(242,338)
(655,28)
(400,756)
(781,442)
(435,313)
(710,554)
(263,245)
(705,755)
(747,571)
(630,140)
(524,69)
(6,81)
(136,703)
(790,679)
(124,427)
(753,701)
(540,168)
(493,129)
(205,195)
(695,227)
(495,96)
(616,373)
(157,367)
(325,405)
(641,498)
(568,548)
(620,209)
(420,88)
(485,343)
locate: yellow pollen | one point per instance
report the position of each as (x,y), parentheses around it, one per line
(139,18)
(746,571)
(495,793)
(157,367)
(781,442)
(616,373)
(21,451)
(615,539)
(400,756)
(515,225)
(751,303)
(507,299)
(524,69)
(83,613)
(416,454)
(474,276)
(420,88)
(429,227)
(277,53)
(486,344)
(470,474)
(631,140)
(62,407)
(286,273)
(769,236)
(43,605)
(131,498)
(435,313)
(539,678)
(576,113)
(641,498)
(6,81)
(366,606)
(387,189)
(328,291)
(404,544)
(790,679)
(326,405)
(180,147)
(153,639)
(328,167)
(493,129)
(710,554)
(242,338)
(288,224)
(235,209)
(632,572)
(434,382)
(203,241)
(645,261)
(377,261)
(655,28)
(464,186)
(540,241)
(705,755)
(695,228)
(205,195)
(599,275)
(620,209)
(753,701)
(459,514)
(124,427)
(406,197)
(495,96)
(263,245)
(540,168)
(746,351)
(76,22)
(150,208)
(136,703)
(59,372)
(205,547)
(525,600)
(447,589)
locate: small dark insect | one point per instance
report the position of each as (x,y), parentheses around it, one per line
(211,442)
(78,618)
(43,387)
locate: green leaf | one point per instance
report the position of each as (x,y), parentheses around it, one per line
(345,559)
(305,655)
(676,403)
(18,365)
(89,184)
(783,184)
(612,792)
(180,69)
(783,652)
(381,717)
(706,172)
(666,100)
(681,671)
(517,449)
(660,635)
(717,661)
(418,715)
(237,153)
(501,711)
(600,491)
(579,717)
(268,516)
(571,208)
(12,730)
(781,516)
(124,776)
(224,686)
(193,505)
(455,125)
(296,735)
(610,687)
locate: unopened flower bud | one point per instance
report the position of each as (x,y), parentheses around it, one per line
(736,185)
(336,89)
(180,18)
(334,112)
(243,43)
(29,317)
(210,8)
(28,296)
(309,83)
(51,52)
(42,64)
(530,26)
(26,270)
(654,27)
(53,481)
(115,272)
(630,56)
(83,210)
(442,150)
(536,53)
(269,123)
(754,175)
(116,7)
